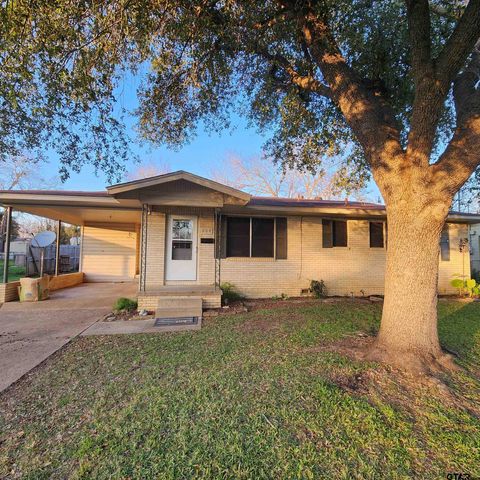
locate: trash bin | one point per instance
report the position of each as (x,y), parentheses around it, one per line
(34,289)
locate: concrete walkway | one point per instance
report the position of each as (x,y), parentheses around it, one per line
(136,326)
(31,332)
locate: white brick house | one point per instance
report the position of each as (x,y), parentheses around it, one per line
(183,234)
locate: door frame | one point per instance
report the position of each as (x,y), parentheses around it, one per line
(169,272)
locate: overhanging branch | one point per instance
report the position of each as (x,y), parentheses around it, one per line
(367,112)
(306,82)
(460,44)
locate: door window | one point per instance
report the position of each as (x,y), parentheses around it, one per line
(182,239)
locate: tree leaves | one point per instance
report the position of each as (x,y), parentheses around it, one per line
(62,64)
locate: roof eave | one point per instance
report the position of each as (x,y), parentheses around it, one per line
(178,175)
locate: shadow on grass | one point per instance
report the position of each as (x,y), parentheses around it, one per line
(459,330)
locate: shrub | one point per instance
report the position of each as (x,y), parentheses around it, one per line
(125,304)
(229,294)
(468,286)
(458,283)
(318,288)
(282,296)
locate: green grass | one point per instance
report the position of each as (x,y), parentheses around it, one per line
(14,272)
(266,394)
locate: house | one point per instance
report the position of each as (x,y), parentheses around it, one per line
(475,249)
(183,235)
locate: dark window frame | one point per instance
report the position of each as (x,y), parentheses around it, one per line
(370,224)
(445,243)
(251,252)
(332,236)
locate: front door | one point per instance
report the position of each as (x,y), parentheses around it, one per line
(181,262)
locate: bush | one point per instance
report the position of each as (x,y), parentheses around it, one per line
(125,304)
(468,286)
(318,288)
(229,294)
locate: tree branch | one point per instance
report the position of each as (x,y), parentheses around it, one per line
(419,29)
(428,101)
(459,45)
(281,17)
(306,82)
(367,113)
(462,156)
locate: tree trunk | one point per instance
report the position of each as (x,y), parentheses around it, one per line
(408,335)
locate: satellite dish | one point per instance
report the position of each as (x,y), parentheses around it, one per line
(43,239)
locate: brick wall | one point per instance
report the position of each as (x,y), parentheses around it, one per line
(155,265)
(156,237)
(149,301)
(345,270)
(65,281)
(9,292)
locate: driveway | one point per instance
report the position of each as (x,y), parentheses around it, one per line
(31,332)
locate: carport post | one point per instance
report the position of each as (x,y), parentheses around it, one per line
(8,213)
(57,249)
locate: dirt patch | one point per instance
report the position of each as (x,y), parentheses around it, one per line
(271,303)
(386,384)
(268,324)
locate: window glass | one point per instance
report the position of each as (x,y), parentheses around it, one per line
(445,244)
(238,237)
(181,250)
(376,235)
(182,229)
(262,237)
(339,233)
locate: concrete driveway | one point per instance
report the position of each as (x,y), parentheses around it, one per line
(31,332)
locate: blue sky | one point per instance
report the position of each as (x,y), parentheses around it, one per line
(205,152)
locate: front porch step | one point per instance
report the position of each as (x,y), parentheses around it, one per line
(178,307)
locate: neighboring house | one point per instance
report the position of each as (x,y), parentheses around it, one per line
(181,234)
(475,248)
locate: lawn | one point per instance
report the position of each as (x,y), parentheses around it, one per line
(270,393)
(14,272)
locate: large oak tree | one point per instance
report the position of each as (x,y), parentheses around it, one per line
(391,84)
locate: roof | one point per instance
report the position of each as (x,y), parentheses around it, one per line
(72,205)
(313,203)
(173,176)
(66,193)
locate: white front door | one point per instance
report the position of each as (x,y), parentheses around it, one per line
(181,262)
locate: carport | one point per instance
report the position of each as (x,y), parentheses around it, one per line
(31,332)
(110,234)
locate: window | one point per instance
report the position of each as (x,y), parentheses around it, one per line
(445,244)
(182,234)
(238,237)
(262,237)
(334,233)
(255,237)
(376,235)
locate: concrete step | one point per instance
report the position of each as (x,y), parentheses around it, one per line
(179,306)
